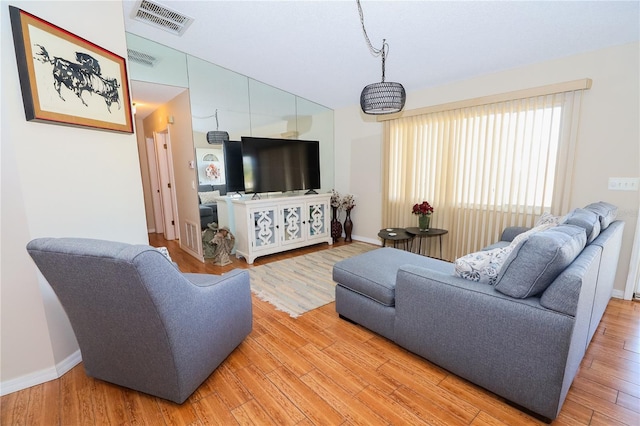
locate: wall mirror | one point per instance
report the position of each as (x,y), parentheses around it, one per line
(244,106)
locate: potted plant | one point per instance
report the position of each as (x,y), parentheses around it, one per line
(423,211)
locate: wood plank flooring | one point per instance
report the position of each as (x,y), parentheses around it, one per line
(320,370)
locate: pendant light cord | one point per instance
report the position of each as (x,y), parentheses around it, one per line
(377,52)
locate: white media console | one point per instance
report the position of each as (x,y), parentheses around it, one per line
(275,224)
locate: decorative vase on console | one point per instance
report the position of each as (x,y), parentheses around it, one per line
(348,227)
(347,203)
(423,211)
(336,226)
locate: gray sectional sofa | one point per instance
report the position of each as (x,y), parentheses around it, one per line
(523,337)
(209,210)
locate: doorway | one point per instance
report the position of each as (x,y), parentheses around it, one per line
(165,188)
(154,183)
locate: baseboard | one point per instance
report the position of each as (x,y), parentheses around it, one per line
(366,240)
(618,294)
(42,376)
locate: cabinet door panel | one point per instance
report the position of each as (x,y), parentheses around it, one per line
(292,224)
(265,231)
(318,220)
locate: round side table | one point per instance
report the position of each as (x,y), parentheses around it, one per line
(397,235)
(431,232)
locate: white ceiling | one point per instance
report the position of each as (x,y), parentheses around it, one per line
(316,49)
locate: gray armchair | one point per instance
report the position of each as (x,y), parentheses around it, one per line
(139,321)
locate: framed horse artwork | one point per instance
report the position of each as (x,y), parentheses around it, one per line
(68,80)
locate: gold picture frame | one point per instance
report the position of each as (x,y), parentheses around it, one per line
(68,80)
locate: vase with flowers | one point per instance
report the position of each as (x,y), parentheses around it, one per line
(424,211)
(336,226)
(347,204)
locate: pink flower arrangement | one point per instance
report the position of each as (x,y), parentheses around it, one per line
(422,209)
(212,171)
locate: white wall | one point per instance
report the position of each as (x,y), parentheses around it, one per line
(57,181)
(608,140)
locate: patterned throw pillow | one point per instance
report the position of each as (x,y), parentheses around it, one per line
(482,266)
(164,251)
(209,197)
(547,217)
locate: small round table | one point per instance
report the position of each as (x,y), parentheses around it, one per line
(397,235)
(431,232)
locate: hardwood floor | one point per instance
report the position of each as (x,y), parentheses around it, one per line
(320,370)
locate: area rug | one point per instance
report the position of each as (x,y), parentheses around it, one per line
(302,283)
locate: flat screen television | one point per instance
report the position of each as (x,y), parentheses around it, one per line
(234,174)
(274,165)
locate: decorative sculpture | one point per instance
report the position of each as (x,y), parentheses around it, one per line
(217,244)
(223,242)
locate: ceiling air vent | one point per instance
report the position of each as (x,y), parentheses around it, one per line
(162,17)
(141,58)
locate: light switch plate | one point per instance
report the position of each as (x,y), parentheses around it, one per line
(623,184)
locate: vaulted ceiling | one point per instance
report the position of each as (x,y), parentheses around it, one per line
(316,49)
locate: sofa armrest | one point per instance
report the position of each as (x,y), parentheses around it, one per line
(208,280)
(510,232)
(512,347)
(205,321)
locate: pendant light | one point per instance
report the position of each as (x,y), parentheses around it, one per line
(384,97)
(217,136)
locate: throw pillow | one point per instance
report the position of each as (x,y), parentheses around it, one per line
(164,251)
(533,265)
(520,238)
(209,197)
(587,220)
(605,211)
(482,266)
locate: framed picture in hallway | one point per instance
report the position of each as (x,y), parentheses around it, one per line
(68,80)
(210,163)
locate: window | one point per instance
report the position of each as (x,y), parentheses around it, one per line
(482,165)
(506,158)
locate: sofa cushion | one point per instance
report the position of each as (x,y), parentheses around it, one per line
(564,292)
(373,274)
(208,197)
(484,266)
(606,213)
(536,262)
(206,211)
(587,220)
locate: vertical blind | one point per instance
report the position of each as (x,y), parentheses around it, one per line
(483,166)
